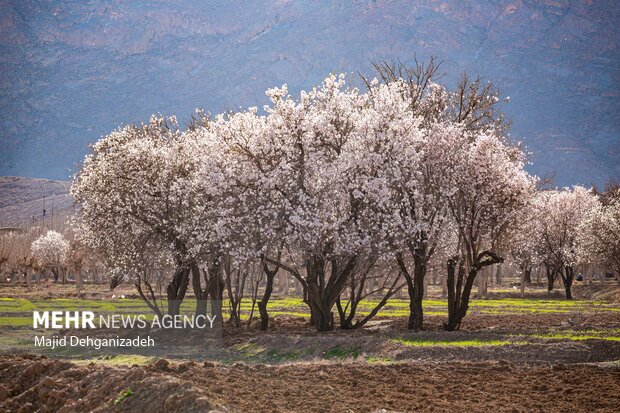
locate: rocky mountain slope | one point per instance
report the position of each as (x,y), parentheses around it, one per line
(24,199)
(71,71)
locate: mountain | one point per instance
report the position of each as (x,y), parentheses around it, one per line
(73,70)
(25,199)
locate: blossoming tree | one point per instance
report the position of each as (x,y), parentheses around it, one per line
(51,251)
(598,235)
(561,213)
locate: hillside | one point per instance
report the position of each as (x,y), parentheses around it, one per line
(71,71)
(23,198)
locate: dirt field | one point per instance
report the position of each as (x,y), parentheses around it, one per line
(33,384)
(540,353)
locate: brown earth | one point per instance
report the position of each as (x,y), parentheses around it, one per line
(287,369)
(600,291)
(35,384)
(38,384)
(474,322)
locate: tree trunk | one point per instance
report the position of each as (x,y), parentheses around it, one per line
(28,274)
(234,291)
(283,284)
(550,278)
(176,289)
(538,275)
(320,312)
(458,302)
(199,292)
(567,279)
(419,272)
(215,287)
(498,274)
(346,321)
(526,278)
(78,280)
(483,284)
(528,275)
(262,304)
(415,287)
(322,292)
(455,320)
(453,295)
(412,307)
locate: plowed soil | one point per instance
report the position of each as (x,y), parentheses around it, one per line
(36,384)
(536,361)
